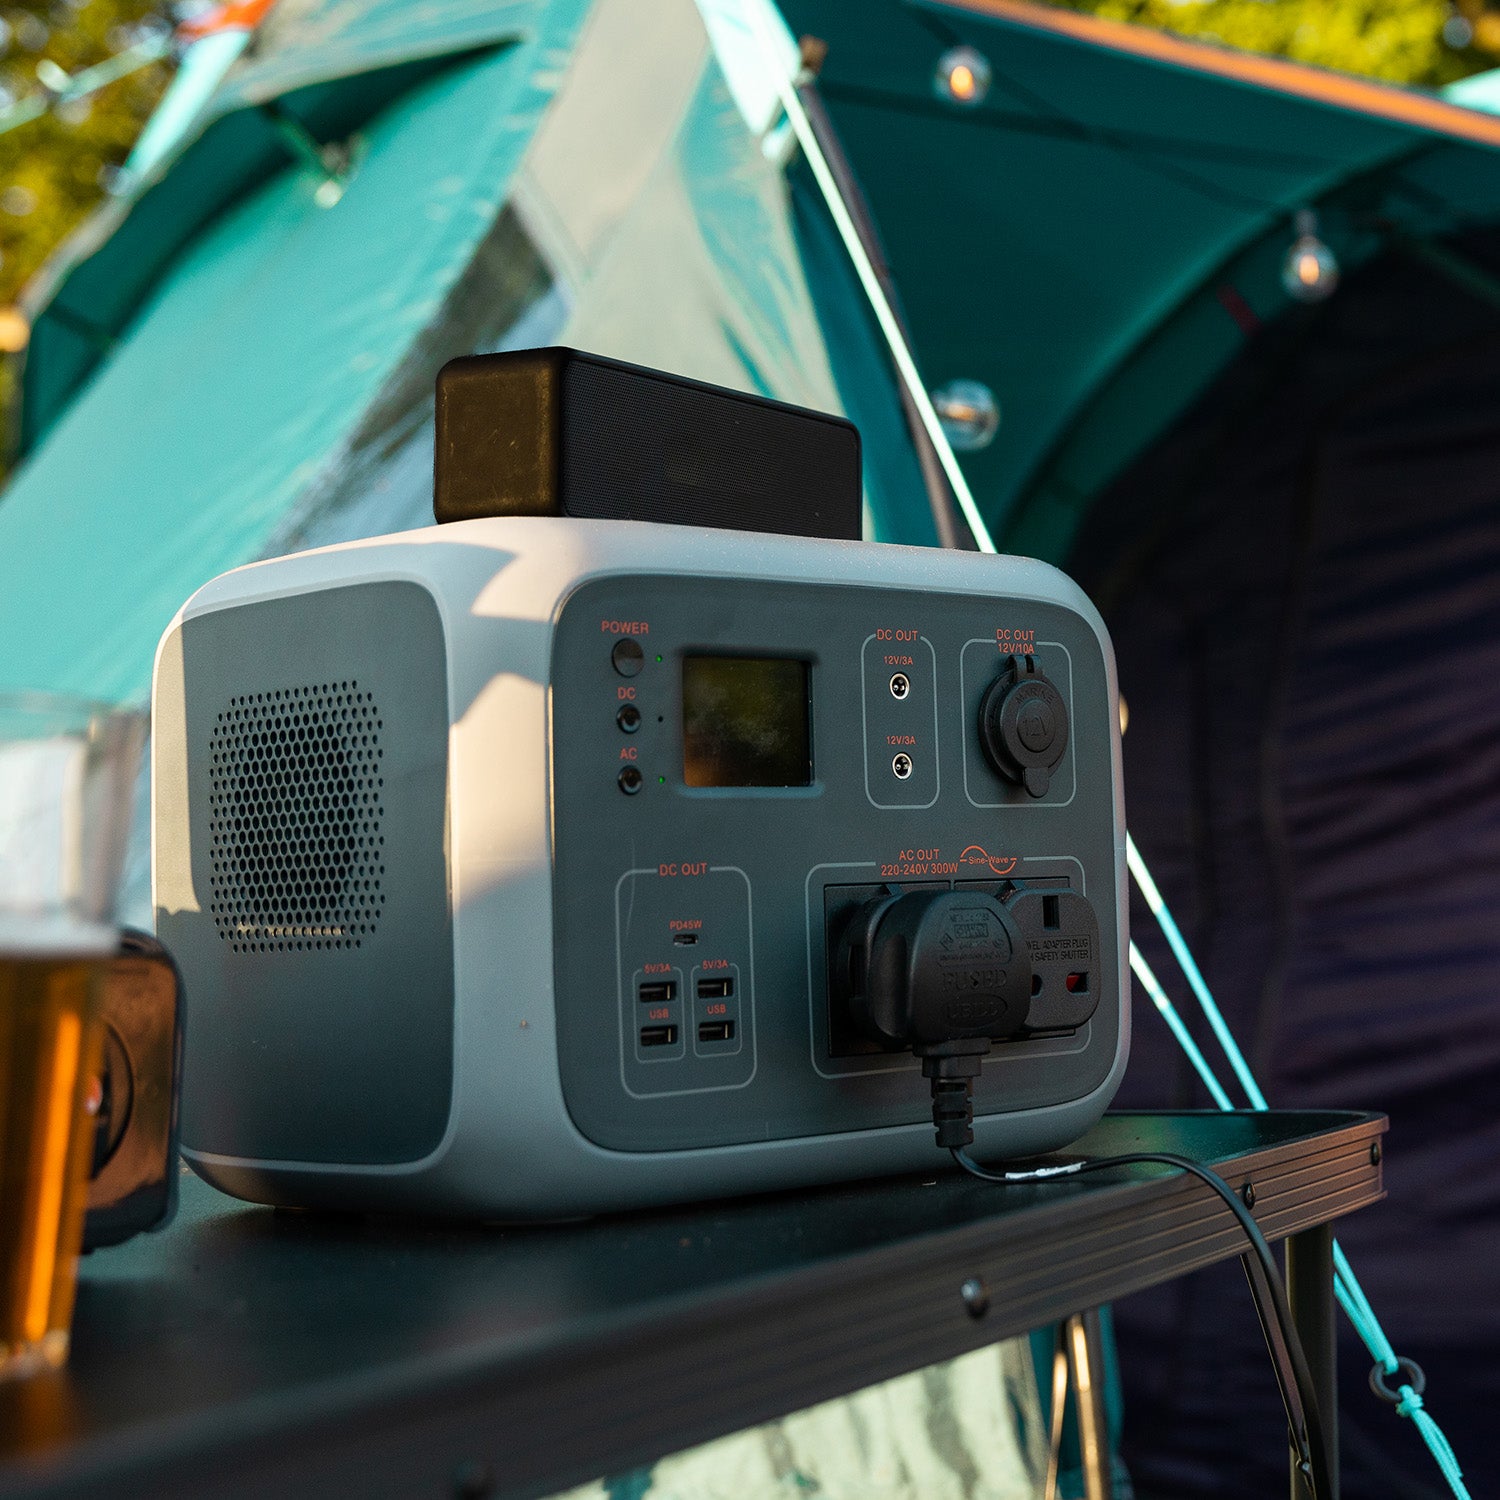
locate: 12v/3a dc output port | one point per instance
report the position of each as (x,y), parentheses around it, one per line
(900,685)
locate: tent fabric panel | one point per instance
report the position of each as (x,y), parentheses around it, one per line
(993,215)
(1444,188)
(890,48)
(1010,288)
(1451,116)
(100,281)
(289,353)
(104,288)
(696,268)
(690,263)
(299,44)
(1119,419)
(1425,196)
(236,385)
(1302,581)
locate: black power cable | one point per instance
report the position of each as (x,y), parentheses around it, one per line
(945,973)
(1293,1377)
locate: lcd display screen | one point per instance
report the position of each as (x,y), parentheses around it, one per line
(745,721)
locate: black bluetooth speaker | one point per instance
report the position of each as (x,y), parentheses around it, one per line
(556,432)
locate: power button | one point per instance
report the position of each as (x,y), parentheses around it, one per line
(628,658)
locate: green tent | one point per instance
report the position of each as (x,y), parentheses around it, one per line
(236,357)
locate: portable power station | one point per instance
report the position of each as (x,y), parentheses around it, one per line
(535,867)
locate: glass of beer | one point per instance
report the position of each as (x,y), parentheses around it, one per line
(67,773)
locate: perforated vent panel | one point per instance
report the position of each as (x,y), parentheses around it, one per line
(296,819)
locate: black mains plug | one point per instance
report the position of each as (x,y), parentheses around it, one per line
(931,966)
(949,973)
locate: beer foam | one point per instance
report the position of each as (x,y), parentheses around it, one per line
(45,935)
(53,935)
(41,824)
(45,907)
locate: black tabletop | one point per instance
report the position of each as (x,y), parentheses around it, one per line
(246,1351)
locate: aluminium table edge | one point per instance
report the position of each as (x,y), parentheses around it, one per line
(619,1394)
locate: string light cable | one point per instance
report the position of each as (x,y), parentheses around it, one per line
(153,42)
(56,88)
(1407,1394)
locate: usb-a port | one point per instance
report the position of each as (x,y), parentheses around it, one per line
(658,991)
(658,1036)
(715,989)
(716,1031)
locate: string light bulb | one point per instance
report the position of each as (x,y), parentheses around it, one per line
(1310,272)
(52,78)
(15,330)
(963,76)
(969,414)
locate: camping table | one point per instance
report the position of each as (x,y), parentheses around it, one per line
(246,1352)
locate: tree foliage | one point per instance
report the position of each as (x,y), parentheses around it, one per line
(53,169)
(1421,42)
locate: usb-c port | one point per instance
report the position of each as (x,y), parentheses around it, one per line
(658,992)
(715,989)
(685,939)
(716,1031)
(658,1036)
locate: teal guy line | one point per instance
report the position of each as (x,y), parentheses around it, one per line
(1142,971)
(1184,957)
(1350,1293)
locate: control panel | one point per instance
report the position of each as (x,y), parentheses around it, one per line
(755,778)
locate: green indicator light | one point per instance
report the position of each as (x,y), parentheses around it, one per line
(661,780)
(658,658)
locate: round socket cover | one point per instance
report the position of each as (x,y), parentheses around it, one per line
(1023,725)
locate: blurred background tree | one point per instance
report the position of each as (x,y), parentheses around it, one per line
(56,167)
(1426,43)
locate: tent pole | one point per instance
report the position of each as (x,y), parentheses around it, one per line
(951,529)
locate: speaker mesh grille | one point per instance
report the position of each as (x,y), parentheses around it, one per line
(295,819)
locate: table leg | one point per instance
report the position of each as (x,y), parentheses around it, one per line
(1086,1356)
(1309,1291)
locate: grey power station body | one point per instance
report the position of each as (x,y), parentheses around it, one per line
(506,861)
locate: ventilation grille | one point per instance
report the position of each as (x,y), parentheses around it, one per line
(295,819)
